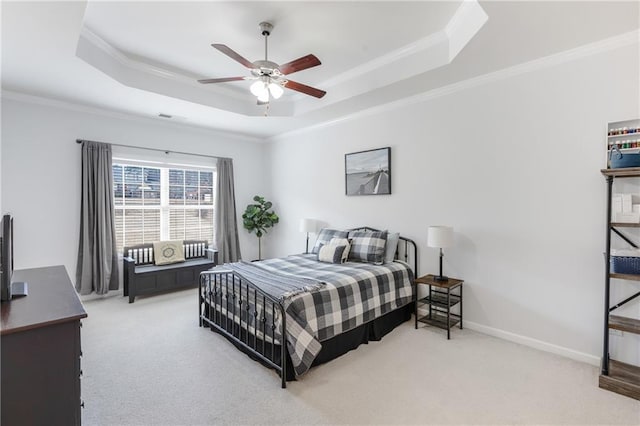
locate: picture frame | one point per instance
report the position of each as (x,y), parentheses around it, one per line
(368,172)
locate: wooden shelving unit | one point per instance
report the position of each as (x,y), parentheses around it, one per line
(622,378)
(617,376)
(629,277)
(624,324)
(628,172)
(625,225)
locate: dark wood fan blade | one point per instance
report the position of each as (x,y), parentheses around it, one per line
(307,90)
(221,80)
(299,64)
(233,55)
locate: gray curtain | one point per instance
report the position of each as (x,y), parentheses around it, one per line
(97,253)
(225,210)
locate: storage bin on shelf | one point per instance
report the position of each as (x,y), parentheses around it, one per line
(623,142)
(625,261)
(619,160)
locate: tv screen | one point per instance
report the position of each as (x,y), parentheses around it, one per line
(6,257)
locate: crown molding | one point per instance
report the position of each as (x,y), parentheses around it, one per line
(122,58)
(182,76)
(387,59)
(601,46)
(421,55)
(105,112)
(467,13)
(463,25)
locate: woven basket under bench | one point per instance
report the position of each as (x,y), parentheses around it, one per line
(142,276)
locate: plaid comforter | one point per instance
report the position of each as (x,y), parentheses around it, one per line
(353,294)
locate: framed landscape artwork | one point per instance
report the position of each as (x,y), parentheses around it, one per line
(368,172)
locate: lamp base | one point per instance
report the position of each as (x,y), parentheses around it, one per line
(306,249)
(440,278)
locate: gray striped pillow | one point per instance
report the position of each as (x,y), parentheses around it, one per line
(325,235)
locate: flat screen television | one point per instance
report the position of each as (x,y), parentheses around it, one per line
(8,288)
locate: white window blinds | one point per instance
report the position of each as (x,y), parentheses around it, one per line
(160,201)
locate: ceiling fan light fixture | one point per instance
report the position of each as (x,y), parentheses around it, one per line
(269,75)
(276,90)
(264,96)
(258,88)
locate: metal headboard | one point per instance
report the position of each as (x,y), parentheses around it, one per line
(407,249)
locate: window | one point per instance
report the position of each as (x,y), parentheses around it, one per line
(162,203)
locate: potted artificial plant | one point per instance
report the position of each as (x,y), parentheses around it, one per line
(257,218)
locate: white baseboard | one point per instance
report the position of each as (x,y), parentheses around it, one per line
(534,343)
(530,342)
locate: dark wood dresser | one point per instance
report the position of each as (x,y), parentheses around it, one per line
(40,349)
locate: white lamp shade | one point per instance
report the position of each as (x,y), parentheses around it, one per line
(307,225)
(264,96)
(258,88)
(276,90)
(440,236)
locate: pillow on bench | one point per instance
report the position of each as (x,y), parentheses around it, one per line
(168,252)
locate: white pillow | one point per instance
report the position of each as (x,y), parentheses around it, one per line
(392,245)
(168,252)
(341,242)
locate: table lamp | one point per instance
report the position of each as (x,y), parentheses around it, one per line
(440,237)
(307,225)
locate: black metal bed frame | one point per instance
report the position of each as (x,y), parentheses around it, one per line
(225,296)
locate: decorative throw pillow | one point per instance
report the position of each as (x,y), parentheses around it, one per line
(330,254)
(392,245)
(167,252)
(325,235)
(342,242)
(368,246)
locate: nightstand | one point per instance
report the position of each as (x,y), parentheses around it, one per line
(440,300)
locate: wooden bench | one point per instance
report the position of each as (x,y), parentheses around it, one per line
(142,276)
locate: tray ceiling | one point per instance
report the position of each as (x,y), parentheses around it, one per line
(144,58)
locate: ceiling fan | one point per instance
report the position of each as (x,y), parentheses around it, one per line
(270,77)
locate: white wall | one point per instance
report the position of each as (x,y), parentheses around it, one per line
(513,164)
(41,172)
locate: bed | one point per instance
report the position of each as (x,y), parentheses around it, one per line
(319,309)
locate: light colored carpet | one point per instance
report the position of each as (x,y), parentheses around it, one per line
(150,364)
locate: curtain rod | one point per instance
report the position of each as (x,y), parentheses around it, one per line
(166,151)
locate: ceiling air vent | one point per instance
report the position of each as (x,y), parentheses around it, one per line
(165,115)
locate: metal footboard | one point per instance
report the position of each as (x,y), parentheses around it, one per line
(236,308)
